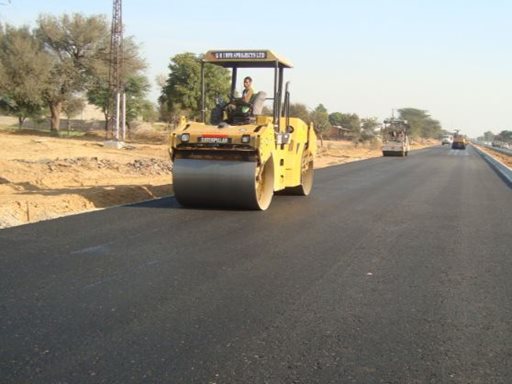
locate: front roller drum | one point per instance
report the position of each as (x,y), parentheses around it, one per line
(394,153)
(223,183)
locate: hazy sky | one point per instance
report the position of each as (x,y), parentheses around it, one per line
(452,58)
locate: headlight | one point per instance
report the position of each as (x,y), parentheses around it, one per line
(185,137)
(246,139)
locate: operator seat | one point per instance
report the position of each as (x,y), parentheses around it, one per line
(244,113)
(257,102)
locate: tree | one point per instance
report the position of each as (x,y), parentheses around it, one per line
(148,111)
(301,111)
(136,88)
(336,119)
(368,128)
(98,90)
(163,109)
(420,122)
(182,90)
(23,71)
(72,107)
(99,95)
(488,136)
(74,44)
(431,129)
(349,121)
(505,136)
(320,118)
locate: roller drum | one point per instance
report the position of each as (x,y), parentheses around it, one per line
(221,183)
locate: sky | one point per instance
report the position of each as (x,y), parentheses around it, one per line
(451,58)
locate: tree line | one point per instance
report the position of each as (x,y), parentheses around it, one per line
(181,96)
(504,136)
(63,63)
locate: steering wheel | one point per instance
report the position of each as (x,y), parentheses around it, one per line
(235,103)
(239,102)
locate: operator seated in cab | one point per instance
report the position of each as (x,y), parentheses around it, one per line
(243,110)
(248,92)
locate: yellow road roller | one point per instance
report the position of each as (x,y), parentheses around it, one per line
(241,159)
(459,141)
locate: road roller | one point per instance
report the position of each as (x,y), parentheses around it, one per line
(240,158)
(459,141)
(395,141)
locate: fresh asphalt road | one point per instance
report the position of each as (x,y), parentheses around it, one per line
(394,270)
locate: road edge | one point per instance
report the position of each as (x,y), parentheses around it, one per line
(501,169)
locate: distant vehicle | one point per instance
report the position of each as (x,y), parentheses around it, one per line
(447,139)
(395,139)
(459,141)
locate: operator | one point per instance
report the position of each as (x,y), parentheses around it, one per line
(247,94)
(248,91)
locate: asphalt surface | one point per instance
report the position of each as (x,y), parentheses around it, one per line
(394,270)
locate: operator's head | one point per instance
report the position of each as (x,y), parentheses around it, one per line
(247,81)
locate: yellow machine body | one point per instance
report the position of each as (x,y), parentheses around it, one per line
(459,141)
(260,144)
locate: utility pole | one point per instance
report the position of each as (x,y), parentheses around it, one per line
(117,101)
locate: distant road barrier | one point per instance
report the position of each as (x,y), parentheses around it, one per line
(497,149)
(504,171)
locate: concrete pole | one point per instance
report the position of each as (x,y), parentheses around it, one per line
(124,117)
(118,102)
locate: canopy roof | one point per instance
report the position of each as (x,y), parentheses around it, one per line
(395,124)
(259,58)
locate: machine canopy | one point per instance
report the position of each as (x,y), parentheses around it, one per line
(262,58)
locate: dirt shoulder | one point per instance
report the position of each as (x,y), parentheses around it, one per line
(44,177)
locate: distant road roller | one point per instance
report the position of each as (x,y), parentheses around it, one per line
(459,141)
(395,141)
(242,158)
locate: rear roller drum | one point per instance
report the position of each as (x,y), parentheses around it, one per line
(306,178)
(264,185)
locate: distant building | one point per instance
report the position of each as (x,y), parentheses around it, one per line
(337,131)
